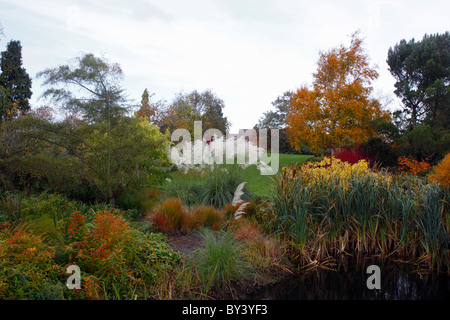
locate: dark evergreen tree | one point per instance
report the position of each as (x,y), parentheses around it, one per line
(15,83)
(422,73)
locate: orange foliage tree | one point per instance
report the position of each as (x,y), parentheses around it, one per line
(150,111)
(339,104)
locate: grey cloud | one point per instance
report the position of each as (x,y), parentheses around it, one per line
(144,10)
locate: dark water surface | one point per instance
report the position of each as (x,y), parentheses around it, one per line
(350,283)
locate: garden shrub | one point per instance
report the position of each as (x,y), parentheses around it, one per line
(27,264)
(116,261)
(382,153)
(351,154)
(441,172)
(409,165)
(119,260)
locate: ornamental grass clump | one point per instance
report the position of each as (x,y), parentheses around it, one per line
(222,260)
(207,216)
(168,215)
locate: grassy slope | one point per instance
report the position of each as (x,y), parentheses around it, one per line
(259,184)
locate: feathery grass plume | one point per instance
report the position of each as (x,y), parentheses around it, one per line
(237,199)
(241,210)
(238,193)
(200,154)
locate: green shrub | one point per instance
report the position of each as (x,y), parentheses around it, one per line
(381,152)
(116,260)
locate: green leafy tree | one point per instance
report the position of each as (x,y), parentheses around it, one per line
(195,106)
(90,86)
(110,147)
(422,73)
(276,119)
(129,156)
(15,83)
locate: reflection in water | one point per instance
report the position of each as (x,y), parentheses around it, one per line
(349,283)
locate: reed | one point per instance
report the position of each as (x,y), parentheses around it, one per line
(323,213)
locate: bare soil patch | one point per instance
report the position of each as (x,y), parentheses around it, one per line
(185,244)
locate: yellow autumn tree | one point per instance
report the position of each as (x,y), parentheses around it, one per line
(339,103)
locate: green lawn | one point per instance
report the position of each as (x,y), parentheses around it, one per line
(259,184)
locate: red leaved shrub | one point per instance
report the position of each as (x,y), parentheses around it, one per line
(352,155)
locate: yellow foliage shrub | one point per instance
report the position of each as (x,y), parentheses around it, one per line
(442,172)
(333,169)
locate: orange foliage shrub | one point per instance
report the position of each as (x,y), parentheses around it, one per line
(27,248)
(441,173)
(76,228)
(26,264)
(409,165)
(109,234)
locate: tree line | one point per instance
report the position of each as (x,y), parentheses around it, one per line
(106,145)
(103,148)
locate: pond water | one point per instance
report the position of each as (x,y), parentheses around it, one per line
(348,281)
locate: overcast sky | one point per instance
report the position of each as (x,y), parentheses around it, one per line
(247,52)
